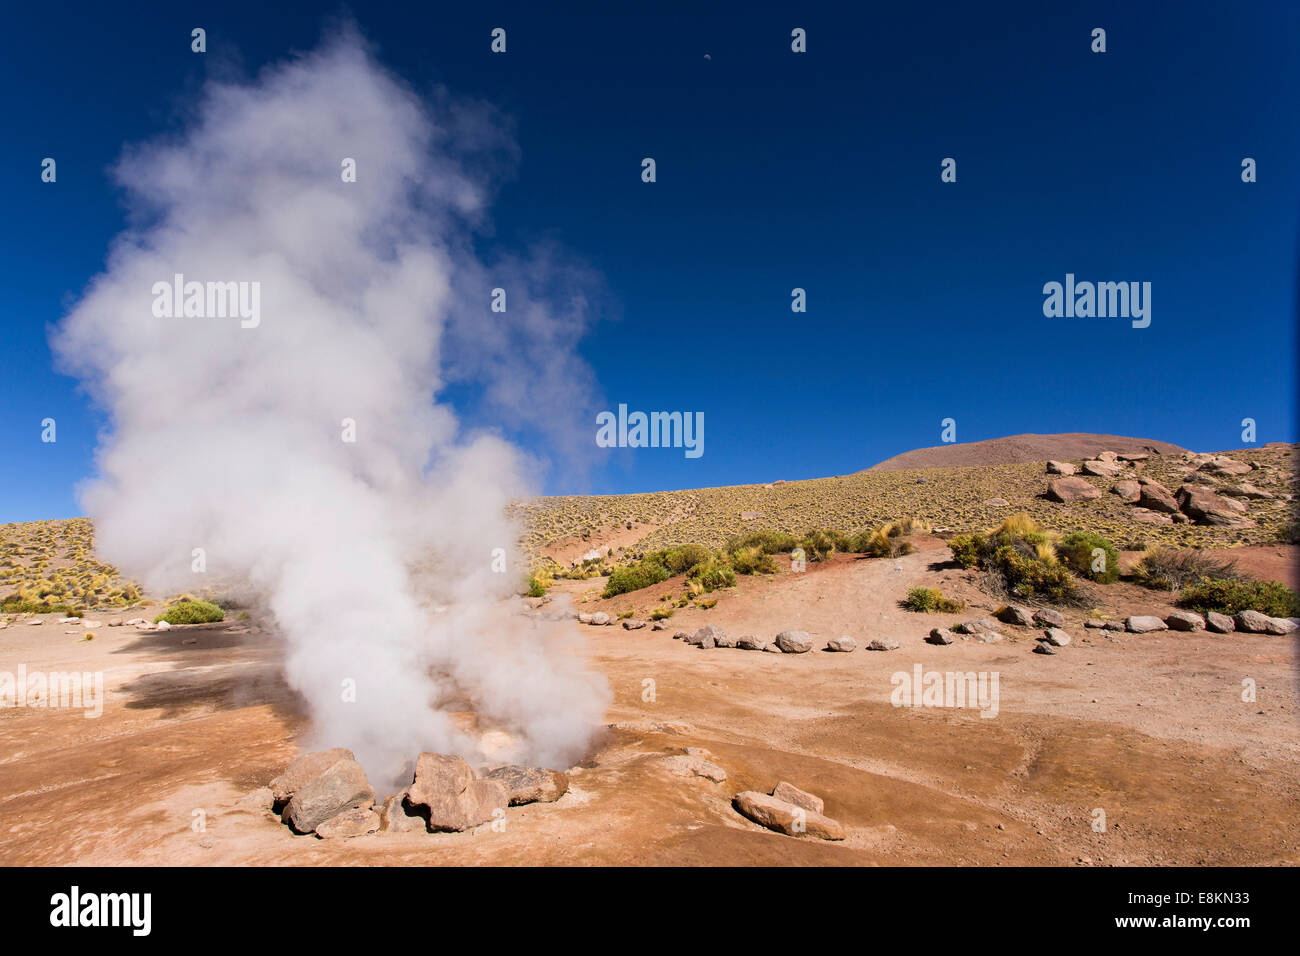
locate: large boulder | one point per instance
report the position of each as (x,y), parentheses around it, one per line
(395,816)
(1156,497)
(1060,468)
(455,799)
(1253,622)
(341,786)
(305,768)
(1221,465)
(800,798)
(1071,489)
(794,642)
(1205,507)
(784,817)
(530,784)
(1129,491)
(1100,469)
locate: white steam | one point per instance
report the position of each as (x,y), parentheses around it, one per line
(375,557)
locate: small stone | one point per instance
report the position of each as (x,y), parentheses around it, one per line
(1219,623)
(1185,621)
(794,642)
(844,645)
(396,816)
(1014,614)
(1144,624)
(633,625)
(685,765)
(1056,637)
(1049,618)
(883,644)
(530,784)
(1044,647)
(599,619)
(940,635)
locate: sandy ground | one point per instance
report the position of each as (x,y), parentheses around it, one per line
(1151,729)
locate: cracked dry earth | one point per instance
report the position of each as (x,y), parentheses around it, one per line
(1151,729)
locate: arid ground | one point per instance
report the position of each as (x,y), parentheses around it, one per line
(1151,729)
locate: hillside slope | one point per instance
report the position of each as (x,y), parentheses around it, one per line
(1017,449)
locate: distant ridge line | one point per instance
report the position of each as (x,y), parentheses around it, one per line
(1016,449)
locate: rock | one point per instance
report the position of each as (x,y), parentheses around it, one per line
(1219,623)
(658,626)
(1150,517)
(1100,469)
(686,765)
(1252,622)
(844,645)
(883,644)
(1014,614)
(1044,647)
(750,642)
(349,823)
(1056,637)
(584,617)
(976,626)
(396,816)
(709,636)
(682,636)
(1049,618)
(997,503)
(1279,625)
(305,768)
(940,635)
(794,642)
(1115,626)
(1094,625)
(785,817)
(455,798)
(1247,490)
(1156,497)
(1206,508)
(1107,456)
(342,786)
(256,801)
(530,784)
(1185,621)
(773,649)
(1129,491)
(1133,456)
(1225,466)
(633,625)
(800,798)
(987,637)
(1071,489)
(600,618)
(1060,468)
(1144,624)
(161,625)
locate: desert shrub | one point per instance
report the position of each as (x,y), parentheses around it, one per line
(634,577)
(536,588)
(925,600)
(1170,569)
(1229,596)
(713,575)
(706,604)
(887,541)
(661,614)
(192,612)
(681,559)
(17,605)
(1019,558)
(1077,553)
(967,549)
(817,545)
(769,542)
(624,615)
(752,560)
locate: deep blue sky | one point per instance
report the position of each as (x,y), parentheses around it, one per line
(775,170)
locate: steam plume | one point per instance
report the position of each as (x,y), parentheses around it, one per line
(374,556)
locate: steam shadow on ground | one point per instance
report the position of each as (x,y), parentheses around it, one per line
(222,669)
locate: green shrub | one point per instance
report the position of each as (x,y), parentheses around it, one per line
(926,600)
(713,575)
(769,542)
(681,559)
(967,549)
(634,577)
(192,612)
(1077,552)
(817,545)
(752,560)
(535,588)
(1228,596)
(661,614)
